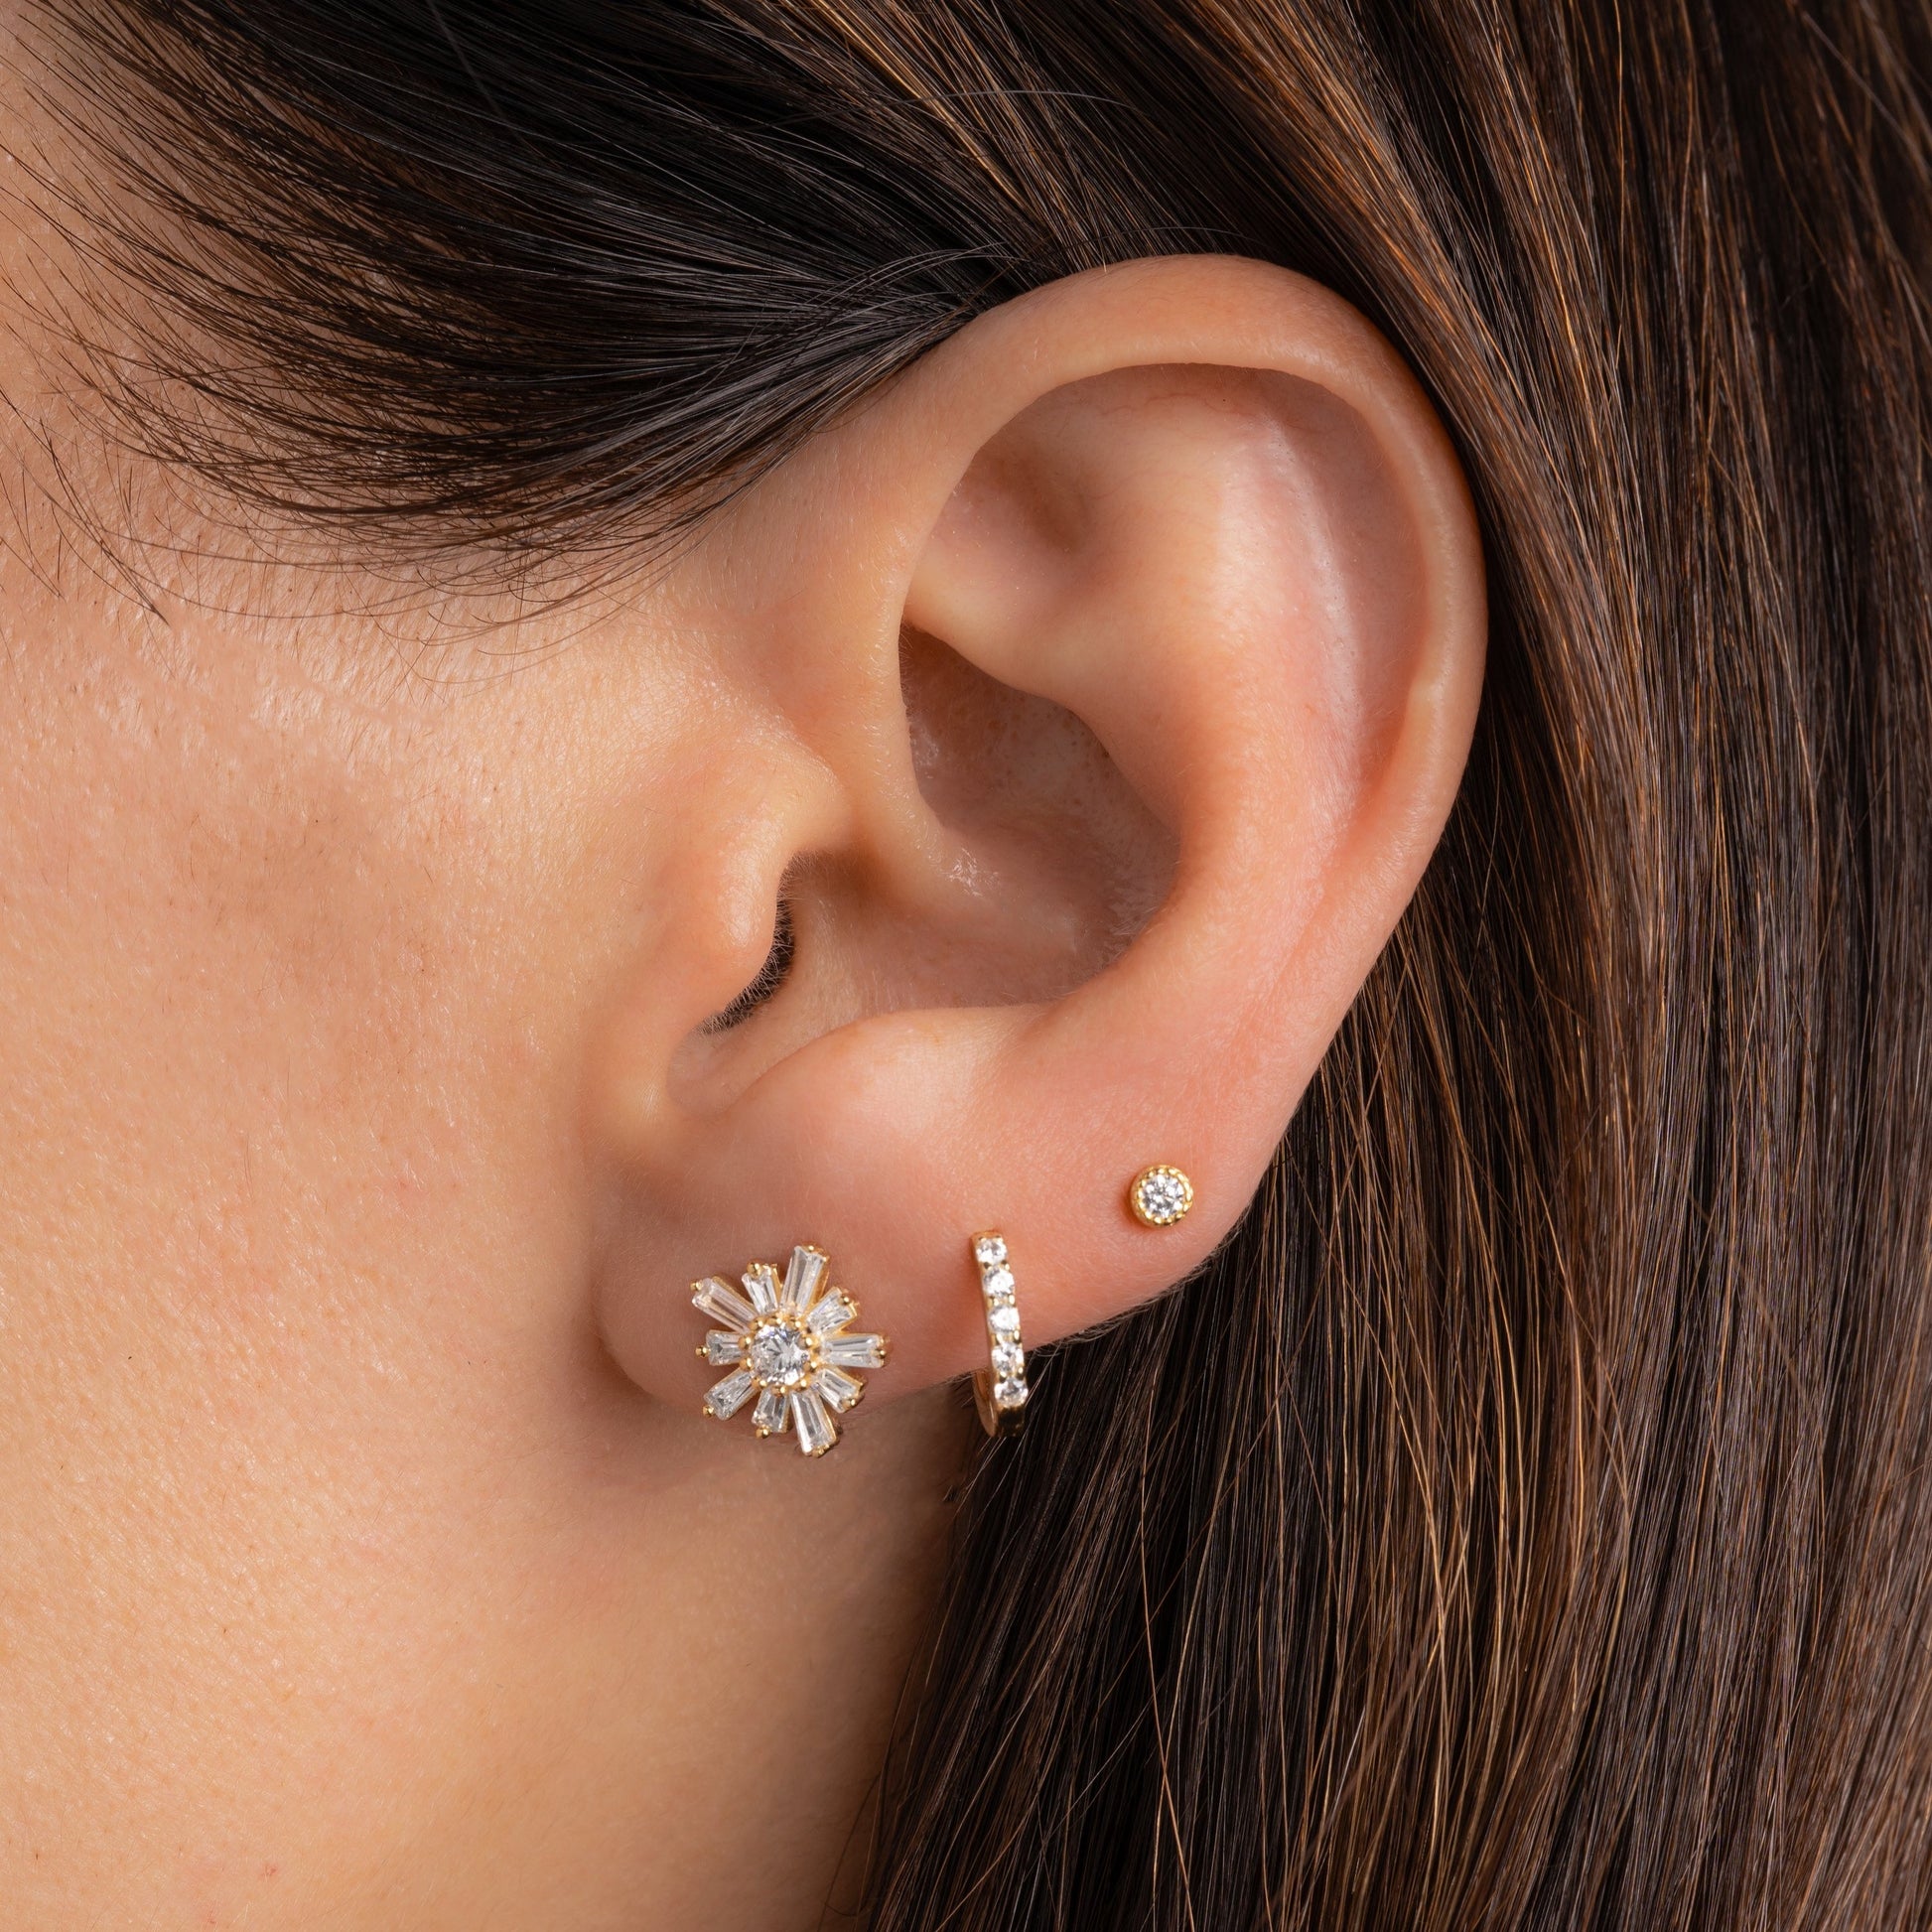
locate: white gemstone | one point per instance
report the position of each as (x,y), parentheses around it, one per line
(1008,1394)
(1007,1358)
(1004,1320)
(761,1284)
(778,1355)
(725,1398)
(834,1311)
(768,1412)
(997,1283)
(722,1350)
(817,1432)
(839,1389)
(1162,1196)
(802,1277)
(722,1303)
(853,1351)
(989,1249)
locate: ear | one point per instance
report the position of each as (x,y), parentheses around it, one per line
(1106,684)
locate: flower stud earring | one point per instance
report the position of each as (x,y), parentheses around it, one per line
(789,1343)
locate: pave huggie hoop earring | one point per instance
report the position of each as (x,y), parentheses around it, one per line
(999,1389)
(789,1342)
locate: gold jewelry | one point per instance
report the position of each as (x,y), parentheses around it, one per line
(1158,1198)
(789,1344)
(999,1390)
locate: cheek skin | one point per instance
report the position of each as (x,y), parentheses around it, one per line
(299,1411)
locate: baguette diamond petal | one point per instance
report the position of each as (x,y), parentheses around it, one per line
(802,1277)
(834,1311)
(839,1389)
(725,1398)
(722,1303)
(853,1351)
(817,1432)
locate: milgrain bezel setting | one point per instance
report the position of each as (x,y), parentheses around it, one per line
(1159,1196)
(999,1389)
(789,1346)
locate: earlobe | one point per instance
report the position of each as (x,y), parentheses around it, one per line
(1192,615)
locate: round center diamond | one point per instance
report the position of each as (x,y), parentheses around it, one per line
(1160,1194)
(780,1355)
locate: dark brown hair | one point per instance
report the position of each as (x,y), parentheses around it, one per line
(1526,1519)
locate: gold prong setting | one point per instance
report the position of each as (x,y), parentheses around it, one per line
(790,1347)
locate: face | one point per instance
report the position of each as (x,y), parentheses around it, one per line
(367,1559)
(334,1525)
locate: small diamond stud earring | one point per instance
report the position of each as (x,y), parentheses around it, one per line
(999,1389)
(1158,1198)
(790,1345)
